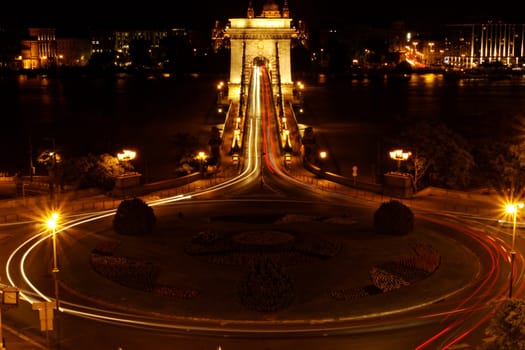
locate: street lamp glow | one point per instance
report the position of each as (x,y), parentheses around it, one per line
(52,221)
(126,155)
(286,134)
(52,225)
(322,160)
(512,208)
(201,156)
(399,155)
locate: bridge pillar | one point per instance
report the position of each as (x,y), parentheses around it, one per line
(267,38)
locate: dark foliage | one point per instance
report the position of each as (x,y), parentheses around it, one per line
(134,217)
(131,273)
(266,287)
(393,218)
(505,330)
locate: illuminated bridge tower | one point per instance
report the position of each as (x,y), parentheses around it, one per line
(265,38)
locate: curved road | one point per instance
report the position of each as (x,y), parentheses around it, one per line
(441,313)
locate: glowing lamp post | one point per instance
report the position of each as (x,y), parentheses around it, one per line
(286,135)
(300,88)
(220,87)
(125,159)
(126,155)
(512,208)
(236,136)
(399,155)
(322,158)
(126,177)
(201,156)
(51,225)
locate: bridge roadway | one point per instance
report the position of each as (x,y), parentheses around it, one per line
(463,205)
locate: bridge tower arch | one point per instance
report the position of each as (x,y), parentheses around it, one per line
(260,61)
(267,37)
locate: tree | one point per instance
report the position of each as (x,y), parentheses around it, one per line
(52,161)
(393,217)
(215,144)
(438,149)
(503,166)
(97,171)
(185,151)
(506,329)
(134,217)
(309,143)
(266,287)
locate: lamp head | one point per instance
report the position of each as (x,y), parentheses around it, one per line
(52,221)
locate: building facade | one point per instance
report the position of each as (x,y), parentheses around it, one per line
(485,44)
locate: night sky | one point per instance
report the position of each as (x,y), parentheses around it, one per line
(202,14)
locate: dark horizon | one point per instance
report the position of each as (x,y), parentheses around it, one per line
(201,15)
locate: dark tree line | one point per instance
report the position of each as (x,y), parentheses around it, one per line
(441,156)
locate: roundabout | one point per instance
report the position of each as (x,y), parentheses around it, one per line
(329,259)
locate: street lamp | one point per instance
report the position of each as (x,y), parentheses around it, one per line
(283,121)
(322,158)
(125,159)
(431,54)
(201,156)
(126,155)
(220,92)
(399,155)
(512,208)
(300,88)
(51,225)
(236,136)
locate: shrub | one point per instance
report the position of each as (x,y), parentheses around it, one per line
(130,273)
(385,280)
(393,218)
(134,217)
(505,330)
(207,237)
(425,258)
(265,287)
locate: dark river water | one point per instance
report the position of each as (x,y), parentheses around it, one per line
(80,115)
(354,114)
